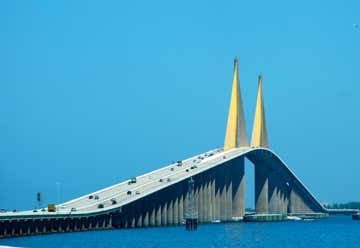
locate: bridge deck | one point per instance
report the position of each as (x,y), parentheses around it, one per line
(146,184)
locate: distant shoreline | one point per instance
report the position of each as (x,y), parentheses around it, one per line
(349,205)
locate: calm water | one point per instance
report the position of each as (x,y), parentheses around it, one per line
(338,231)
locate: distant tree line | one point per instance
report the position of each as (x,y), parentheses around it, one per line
(352,205)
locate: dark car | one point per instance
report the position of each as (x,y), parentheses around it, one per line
(193,167)
(96,197)
(101,205)
(129,192)
(91,196)
(113,201)
(132,180)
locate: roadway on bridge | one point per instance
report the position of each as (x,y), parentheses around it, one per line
(146,184)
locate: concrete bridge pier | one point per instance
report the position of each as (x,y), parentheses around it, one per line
(139,211)
(208,202)
(284,196)
(222,184)
(229,186)
(274,194)
(176,206)
(152,213)
(196,195)
(164,204)
(182,202)
(218,188)
(261,189)
(131,219)
(147,209)
(157,203)
(170,206)
(298,204)
(212,196)
(238,187)
(199,197)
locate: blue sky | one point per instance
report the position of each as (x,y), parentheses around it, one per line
(92,93)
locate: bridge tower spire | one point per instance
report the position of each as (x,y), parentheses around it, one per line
(259,134)
(235,130)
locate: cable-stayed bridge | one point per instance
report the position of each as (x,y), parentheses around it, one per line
(159,198)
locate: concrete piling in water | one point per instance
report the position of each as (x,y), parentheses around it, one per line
(261,190)
(238,188)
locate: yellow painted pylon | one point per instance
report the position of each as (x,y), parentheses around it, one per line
(235,130)
(259,134)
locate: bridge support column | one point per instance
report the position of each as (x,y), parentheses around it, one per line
(196,196)
(109,223)
(283,192)
(261,189)
(146,211)
(238,188)
(164,211)
(170,206)
(223,193)
(213,212)
(139,211)
(132,220)
(182,202)
(274,194)
(218,187)
(158,210)
(228,183)
(208,203)
(298,204)
(152,207)
(201,209)
(176,204)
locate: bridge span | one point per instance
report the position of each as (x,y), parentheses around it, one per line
(160,197)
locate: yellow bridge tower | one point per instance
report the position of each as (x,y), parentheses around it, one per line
(235,130)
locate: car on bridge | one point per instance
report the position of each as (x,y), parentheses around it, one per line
(132,180)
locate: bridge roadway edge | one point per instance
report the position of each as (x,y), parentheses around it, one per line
(220,190)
